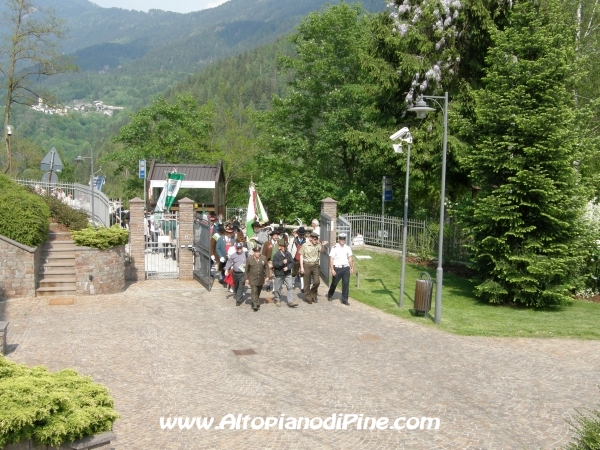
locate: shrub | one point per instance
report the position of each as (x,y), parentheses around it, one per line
(71,218)
(24,216)
(587,429)
(101,237)
(50,408)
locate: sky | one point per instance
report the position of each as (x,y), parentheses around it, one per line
(181,6)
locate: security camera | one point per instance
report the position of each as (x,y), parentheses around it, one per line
(398,148)
(403,134)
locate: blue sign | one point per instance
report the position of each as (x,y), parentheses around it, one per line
(388,189)
(142,168)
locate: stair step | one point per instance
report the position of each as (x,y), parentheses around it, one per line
(57,270)
(42,291)
(59,262)
(57,244)
(53,290)
(53,254)
(57,284)
(58,277)
(62,236)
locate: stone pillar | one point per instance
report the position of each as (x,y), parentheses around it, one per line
(3,333)
(137,242)
(185,240)
(329,207)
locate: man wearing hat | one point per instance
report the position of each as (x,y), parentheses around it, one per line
(283,263)
(237,263)
(257,270)
(295,247)
(252,241)
(310,253)
(269,249)
(340,266)
(224,242)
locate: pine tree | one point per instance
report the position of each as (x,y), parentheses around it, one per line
(525,221)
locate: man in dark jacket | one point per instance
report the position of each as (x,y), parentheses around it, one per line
(283,263)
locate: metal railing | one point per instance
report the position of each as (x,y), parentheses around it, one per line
(386,231)
(75,195)
(344,226)
(237,212)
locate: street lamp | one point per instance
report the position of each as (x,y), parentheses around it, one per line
(91,158)
(422,109)
(9,131)
(403,135)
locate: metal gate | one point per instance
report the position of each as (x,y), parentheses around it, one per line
(161,250)
(202,263)
(326,225)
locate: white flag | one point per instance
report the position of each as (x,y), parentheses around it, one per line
(256,211)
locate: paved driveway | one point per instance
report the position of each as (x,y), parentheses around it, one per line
(164,348)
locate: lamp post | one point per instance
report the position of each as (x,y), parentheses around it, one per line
(403,135)
(91,158)
(422,109)
(9,131)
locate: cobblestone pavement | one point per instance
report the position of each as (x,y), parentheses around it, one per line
(165,348)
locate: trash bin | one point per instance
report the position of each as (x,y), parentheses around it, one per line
(423,292)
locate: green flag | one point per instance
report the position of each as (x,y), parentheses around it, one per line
(169,192)
(173,184)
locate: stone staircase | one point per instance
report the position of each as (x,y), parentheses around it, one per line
(57,265)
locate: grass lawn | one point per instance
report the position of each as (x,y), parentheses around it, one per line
(461,312)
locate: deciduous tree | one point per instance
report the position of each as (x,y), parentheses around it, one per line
(30,36)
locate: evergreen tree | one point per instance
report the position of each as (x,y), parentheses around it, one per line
(524,223)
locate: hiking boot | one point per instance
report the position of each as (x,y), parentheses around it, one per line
(277,303)
(292,304)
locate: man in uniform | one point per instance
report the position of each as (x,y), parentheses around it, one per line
(340,266)
(309,266)
(268,250)
(294,248)
(237,263)
(256,272)
(283,263)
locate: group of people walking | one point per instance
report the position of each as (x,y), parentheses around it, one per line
(277,257)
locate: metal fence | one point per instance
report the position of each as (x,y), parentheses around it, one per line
(386,231)
(237,212)
(75,195)
(344,226)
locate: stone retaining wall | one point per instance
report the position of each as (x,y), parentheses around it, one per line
(99,271)
(18,269)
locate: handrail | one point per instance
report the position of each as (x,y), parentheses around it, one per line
(75,195)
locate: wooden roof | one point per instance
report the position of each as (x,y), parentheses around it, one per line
(193,172)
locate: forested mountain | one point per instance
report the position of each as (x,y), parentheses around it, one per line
(131,43)
(128,57)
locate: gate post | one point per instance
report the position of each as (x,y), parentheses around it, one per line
(186,239)
(329,207)
(137,241)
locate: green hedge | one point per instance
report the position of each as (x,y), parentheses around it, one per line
(24,216)
(101,237)
(51,408)
(71,218)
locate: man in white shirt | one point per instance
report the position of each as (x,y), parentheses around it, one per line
(341,267)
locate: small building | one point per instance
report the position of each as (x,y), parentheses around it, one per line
(202,183)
